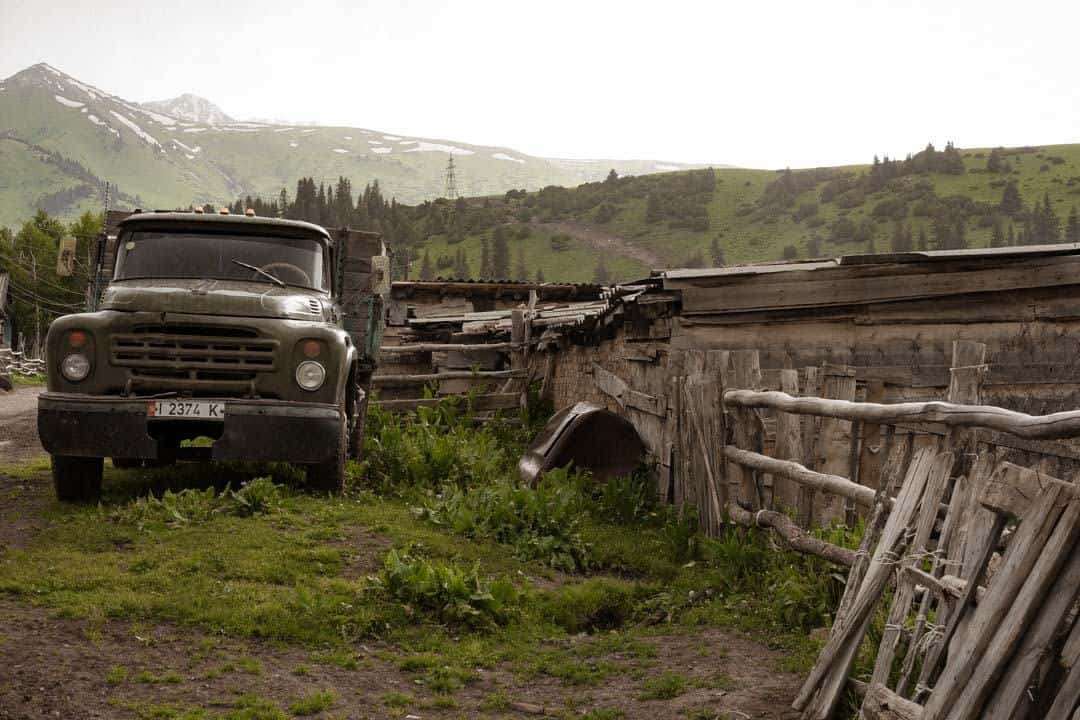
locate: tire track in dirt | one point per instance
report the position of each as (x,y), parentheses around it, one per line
(603,241)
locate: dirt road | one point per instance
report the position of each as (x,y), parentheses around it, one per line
(18,424)
(604,241)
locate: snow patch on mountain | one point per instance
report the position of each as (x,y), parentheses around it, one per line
(374,142)
(294,144)
(190,149)
(194,130)
(159,118)
(68,103)
(147,137)
(391,137)
(407,142)
(98,121)
(504,156)
(191,108)
(425,146)
(381,150)
(340,151)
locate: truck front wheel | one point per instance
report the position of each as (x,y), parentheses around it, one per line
(329,475)
(77,479)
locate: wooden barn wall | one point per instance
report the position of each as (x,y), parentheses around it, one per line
(903,349)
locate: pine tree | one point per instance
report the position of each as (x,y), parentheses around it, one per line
(717,253)
(901,238)
(426,271)
(997,236)
(500,255)
(1010,238)
(923,244)
(485,259)
(539,275)
(520,272)
(600,275)
(1011,202)
(1072,227)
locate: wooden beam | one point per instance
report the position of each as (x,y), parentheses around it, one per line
(446,347)
(795,472)
(1036,427)
(382,380)
(494,401)
(881,703)
(797,538)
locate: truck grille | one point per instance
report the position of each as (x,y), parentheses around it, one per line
(221,358)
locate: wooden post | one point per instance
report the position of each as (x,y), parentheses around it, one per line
(746,365)
(835,439)
(788,446)
(517,357)
(810,438)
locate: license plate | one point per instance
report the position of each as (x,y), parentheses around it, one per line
(185,409)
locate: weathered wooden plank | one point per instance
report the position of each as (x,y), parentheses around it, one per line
(835,287)
(1024,551)
(881,703)
(497,401)
(1036,644)
(422,347)
(1005,635)
(928,513)
(826,680)
(382,380)
(788,446)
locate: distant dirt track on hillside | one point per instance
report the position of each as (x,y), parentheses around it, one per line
(606,242)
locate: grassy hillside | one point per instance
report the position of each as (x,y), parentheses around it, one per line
(162,161)
(760,215)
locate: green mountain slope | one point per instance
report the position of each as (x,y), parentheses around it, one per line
(161,160)
(933,199)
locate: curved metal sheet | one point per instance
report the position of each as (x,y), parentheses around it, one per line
(587,436)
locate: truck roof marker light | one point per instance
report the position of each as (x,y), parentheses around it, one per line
(223,211)
(250,212)
(198,211)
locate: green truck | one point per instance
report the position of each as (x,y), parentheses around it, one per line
(258,333)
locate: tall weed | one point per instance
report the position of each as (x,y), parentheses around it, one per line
(450,593)
(542,522)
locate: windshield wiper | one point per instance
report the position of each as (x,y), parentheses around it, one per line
(262,272)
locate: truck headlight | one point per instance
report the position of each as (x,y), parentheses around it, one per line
(310,375)
(75,367)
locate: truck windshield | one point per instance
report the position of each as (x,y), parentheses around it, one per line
(299,262)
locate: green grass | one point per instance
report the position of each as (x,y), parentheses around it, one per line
(444,606)
(313,703)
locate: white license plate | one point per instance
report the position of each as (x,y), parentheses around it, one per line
(185,409)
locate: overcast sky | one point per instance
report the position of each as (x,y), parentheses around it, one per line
(757,84)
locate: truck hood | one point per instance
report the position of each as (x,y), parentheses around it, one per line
(216,297)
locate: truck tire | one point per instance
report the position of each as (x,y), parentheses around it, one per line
(329,476)
(77,479)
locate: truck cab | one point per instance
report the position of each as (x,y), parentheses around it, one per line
(258,333)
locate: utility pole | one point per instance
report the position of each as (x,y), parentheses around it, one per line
(451,181)
(37,307)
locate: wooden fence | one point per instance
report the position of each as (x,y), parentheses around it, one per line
(980,550)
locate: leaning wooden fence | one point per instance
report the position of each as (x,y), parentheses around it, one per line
(980,552)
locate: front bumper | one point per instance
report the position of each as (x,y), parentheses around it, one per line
(253,430)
